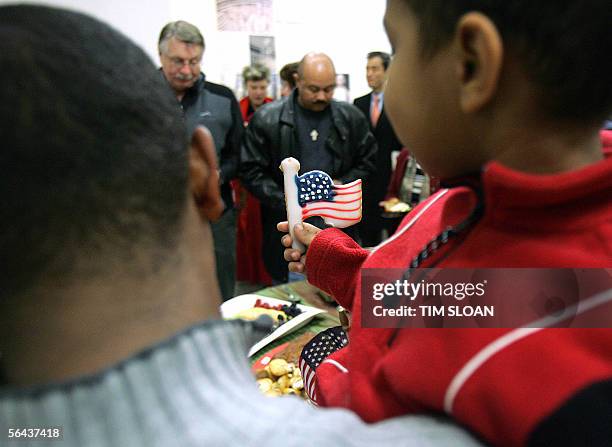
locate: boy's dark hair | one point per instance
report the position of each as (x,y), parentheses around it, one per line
(385,57)
(563,44)
(94,150)
(287,72)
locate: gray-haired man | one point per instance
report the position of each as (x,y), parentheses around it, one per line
(181,47)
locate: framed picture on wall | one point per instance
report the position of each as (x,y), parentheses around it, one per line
(263,51)
(252,16)
(342,92)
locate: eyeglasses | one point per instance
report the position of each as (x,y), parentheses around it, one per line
(178,63)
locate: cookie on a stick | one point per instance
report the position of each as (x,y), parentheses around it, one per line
(315,194)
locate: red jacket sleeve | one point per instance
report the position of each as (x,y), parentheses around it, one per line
(333,263)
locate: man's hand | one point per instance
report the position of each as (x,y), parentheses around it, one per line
(304,233)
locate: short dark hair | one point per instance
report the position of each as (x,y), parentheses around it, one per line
(563,44)
(287,73)
(94,148)
(385,57)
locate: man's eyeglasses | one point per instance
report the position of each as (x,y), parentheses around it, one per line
(178,63)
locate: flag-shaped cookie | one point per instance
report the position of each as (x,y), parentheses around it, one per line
(338,205)
(314,194)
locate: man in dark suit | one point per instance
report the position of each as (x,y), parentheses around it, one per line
(372,106)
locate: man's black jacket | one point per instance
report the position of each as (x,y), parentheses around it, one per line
(271,137)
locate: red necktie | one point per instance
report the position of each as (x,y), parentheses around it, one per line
(375,112)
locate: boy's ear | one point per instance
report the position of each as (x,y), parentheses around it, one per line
(480,61)
(204,175)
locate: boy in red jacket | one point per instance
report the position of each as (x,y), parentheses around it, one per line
(521,88)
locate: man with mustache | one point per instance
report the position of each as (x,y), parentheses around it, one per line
(308,125)
(181,47)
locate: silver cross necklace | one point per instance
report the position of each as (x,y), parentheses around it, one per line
(312,122)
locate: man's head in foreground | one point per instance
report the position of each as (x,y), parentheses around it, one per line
(521,82)
(105,248)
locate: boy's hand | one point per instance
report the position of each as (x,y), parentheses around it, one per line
(304,233)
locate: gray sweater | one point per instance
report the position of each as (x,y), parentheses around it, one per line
(196,389)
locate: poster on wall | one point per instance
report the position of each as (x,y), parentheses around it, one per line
(263,52)
(251,16)
(342,92)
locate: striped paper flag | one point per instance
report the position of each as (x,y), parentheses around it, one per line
(338,205)
(316,352)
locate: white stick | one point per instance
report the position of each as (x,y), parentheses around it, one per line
(290,167)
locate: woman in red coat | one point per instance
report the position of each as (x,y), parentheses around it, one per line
(250,267)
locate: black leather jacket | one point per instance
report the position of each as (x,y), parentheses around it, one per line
(271,137)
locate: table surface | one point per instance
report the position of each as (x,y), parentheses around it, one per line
(303,293)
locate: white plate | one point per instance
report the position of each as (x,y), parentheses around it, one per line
(239,303)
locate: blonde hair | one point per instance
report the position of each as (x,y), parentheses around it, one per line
(255,72)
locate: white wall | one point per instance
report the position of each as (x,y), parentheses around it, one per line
(345,29)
